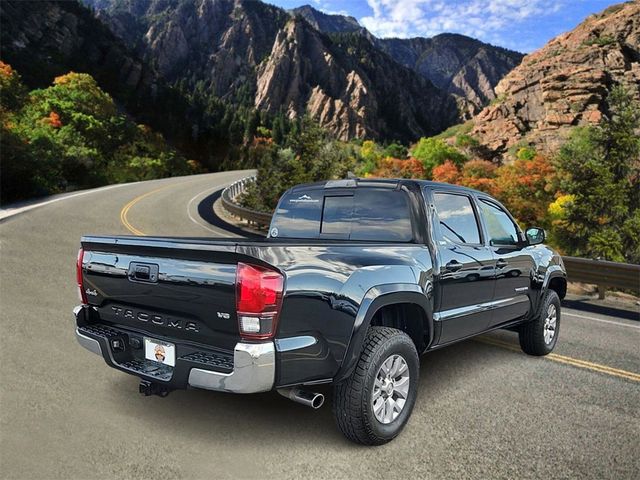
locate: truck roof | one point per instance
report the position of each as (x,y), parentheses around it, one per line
(379,183)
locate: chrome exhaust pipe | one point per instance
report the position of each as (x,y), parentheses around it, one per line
(305,397)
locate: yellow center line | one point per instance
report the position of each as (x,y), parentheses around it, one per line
(127,207)
(596,367)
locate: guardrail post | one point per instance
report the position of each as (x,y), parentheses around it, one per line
(601,291)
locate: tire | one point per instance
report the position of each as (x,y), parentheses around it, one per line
(540,335)
(353,399)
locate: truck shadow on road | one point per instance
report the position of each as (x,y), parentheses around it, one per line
(214,417)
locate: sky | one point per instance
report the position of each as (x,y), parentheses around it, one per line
(522,25)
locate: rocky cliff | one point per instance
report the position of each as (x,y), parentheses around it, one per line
(349,86)
(459,65)
(218,43)
(249,54)
(328,23)
(564,84)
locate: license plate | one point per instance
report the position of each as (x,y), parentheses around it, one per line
(161,352)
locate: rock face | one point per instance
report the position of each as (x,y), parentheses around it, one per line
(327,23)
(565,83)
(307,72)
(218,43)
(252,54)
(459,65)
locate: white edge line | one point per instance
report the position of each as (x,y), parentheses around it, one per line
(601,320)
(10,212)
(208,190)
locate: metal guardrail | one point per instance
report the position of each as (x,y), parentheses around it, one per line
(602,273)
(229,196)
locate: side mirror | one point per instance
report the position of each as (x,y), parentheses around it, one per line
(535,235)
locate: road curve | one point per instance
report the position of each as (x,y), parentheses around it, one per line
(484,409)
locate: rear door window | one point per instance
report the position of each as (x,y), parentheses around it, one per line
(381,215)
(336,215)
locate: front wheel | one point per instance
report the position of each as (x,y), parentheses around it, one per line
(539,336)
(373,405)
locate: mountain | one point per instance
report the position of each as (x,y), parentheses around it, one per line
(211,62)
(46,39)
(255,54)
(350,86)
(219,43)
(459,65)
(564,84)
(328,23)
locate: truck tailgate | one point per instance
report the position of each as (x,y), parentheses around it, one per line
(168,287)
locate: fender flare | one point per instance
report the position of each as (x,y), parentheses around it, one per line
(553,271)
(376,298)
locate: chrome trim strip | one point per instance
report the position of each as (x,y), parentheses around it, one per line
(88,343)
(295,343)
(254,369)
(481,307)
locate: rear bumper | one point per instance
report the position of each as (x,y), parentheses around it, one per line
(252,369)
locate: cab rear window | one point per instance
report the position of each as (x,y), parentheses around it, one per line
(367,214)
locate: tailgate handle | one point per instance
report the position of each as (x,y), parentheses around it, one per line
(143,272)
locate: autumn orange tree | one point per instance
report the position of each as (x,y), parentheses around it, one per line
(526,186)
(390,167)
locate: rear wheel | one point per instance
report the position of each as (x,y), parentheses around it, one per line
(539,336)
(374,404)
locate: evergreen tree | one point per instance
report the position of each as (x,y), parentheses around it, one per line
(600,174)
(253,121)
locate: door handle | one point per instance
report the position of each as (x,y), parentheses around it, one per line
(501,263)
(453,266)
(143,272)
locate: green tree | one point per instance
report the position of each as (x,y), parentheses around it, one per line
(599,168)
(396,150)
(433,152)
(310,157)
(278,129)
(371,153)
(12,91)
(253,121)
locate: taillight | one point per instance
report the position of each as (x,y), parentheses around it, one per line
(258,300)
(81,294)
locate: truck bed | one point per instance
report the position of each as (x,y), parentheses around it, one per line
(190,299)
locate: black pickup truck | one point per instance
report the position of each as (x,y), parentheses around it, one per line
(355,280)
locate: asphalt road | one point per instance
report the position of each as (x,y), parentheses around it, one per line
(484,409)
